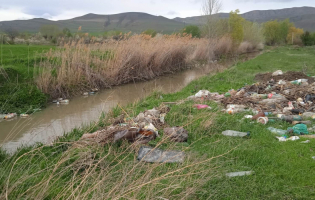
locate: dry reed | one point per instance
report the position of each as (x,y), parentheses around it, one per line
(79,67)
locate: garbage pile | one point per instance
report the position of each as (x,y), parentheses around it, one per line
(141,130)
(276,96)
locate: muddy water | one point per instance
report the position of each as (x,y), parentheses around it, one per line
(55,120)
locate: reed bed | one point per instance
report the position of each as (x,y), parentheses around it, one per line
(78,67)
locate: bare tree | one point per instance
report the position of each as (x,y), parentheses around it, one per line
(12,33)
(209,9)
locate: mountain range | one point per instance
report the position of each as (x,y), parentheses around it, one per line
(303,17)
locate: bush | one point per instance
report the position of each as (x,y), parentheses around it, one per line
(192,30)
(20,98)
(150,32)
(276,32)
(116,35)
(308,39)
(253,33)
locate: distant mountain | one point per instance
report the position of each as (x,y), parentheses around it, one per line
(303,17)
(132,21)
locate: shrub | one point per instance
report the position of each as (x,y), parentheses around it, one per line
(192,30)
(236,24)
(307,39)
(276,32)
(20,98)
(150,32)
(294,36)
(253,33)
(49,31)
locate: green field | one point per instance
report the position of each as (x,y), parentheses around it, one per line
(282,170)
(18,91)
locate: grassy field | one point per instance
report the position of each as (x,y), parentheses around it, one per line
(18,91)
(67,169)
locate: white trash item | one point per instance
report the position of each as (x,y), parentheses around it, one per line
(234,133)
(66,101)
(203,93)
(235,174)
(282,82)
(277,73)
(283,139)
(305,142)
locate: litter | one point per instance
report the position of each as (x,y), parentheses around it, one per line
(203,93)
(283,139)
(232,108)
(308,114)
(261,114)
(10,116)
(301,122)
(235,133)
(139,130)
(291,118)
(235,174)
(24,115)
(176,134)
(277,131)
(248,116)
(151,155)
(200,106)
(277,73)
(305,142)
(85,94)
(300,129)
(66,101)
(263,120)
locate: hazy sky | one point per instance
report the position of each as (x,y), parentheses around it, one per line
(66,9)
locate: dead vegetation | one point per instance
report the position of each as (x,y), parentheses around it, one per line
(78,67)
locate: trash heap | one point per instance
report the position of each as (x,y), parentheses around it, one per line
(141,130)
(275,96)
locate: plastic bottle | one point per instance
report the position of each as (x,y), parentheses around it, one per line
(277,131)
(235,133)
(290,118)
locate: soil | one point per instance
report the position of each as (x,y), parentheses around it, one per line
(288,76)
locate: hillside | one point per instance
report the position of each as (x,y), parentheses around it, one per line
(303,17)
(133,21)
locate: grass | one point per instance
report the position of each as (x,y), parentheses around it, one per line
(18,91)
(70,169)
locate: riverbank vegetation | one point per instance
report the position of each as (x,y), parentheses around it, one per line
(82,62)
(70,169)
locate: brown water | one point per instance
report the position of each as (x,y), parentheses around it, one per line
(55,120)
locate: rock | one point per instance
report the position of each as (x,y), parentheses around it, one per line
(176,134)
(153,155)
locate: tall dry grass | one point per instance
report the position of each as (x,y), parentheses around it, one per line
(86,170)
(78,67)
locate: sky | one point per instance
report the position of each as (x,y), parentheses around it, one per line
(67,9)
